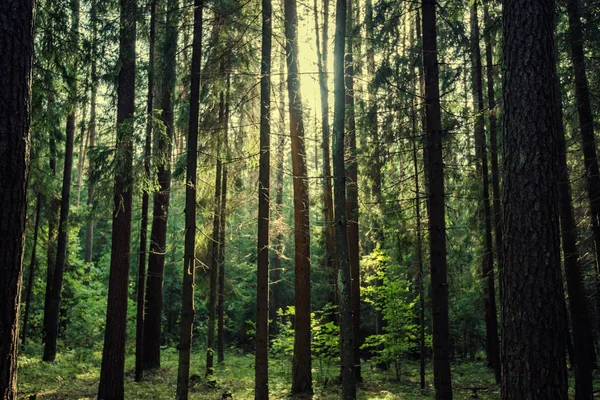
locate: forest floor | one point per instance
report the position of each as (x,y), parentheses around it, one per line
(75,375)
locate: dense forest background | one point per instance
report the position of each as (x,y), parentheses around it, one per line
(425,175)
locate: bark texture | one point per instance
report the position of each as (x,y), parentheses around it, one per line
(533,323)
(301,363)
(16,45)
(436,205)
(112,372)
(189,261)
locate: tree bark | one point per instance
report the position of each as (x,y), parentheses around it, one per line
(142,355)
(189,267)
(261,388)
(487,267)
(63,224)
(586,126)
(161,198)
(351,176)
(583,339)
(347,350)
(301,362)
(437,221)
(496,196)
(214,266)
(329,226)
(113,355)
(16,44)
(533,324)
(89,232)
(222,221)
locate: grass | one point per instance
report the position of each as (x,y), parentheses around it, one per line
(75,375)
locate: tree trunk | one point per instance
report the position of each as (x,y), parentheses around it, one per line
(347,329)
(329,227)
(533,325)
(142,355)
(584,351)
(83,145)
(487,267)
(89,232)
(214,265)
(275,300)
(437,221)
(63,224)
(189,262)
(351,177)
(113,354)
(586,125)
(222,221)
(160,214)
(261,371)
(16,44)
(32,267)
(301,363)
(497,208)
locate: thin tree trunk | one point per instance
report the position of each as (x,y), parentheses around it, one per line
(347,350)
(487,267)
(189,267)
(142,355)
(583,339)
(63,224)
(533,324)
(214,266)
(222,221)
(113,355)
(89,233)
(329,227)
(16,45)
(301,363)
(161,198)
(83,146)
(437,221)
(496,196)
(261,387)
(32,266)
(586,123)
(275,301)
(351,176)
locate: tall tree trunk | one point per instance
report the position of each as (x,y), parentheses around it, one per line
(583,339)
(437,221)
(487,267)
(261,371)
(189,262)
(301,363)
(214,265)
(329,227)
(493,140)
(533,324)
(419,250)
(113,354)
(16,44)
(351,177)
(586,125)
(89,232)
(275,285)
(158,238)
(142,355)
(32,267)
(347,350)
(222,221)
(63,224)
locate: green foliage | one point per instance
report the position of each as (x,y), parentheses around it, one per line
(390,292)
